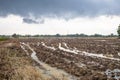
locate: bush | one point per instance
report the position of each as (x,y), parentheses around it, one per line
(118,31)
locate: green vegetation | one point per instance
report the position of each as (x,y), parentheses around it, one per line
(118,31)
(3,38)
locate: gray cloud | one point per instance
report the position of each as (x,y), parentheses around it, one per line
(32,21)
(59,8)
(29,21)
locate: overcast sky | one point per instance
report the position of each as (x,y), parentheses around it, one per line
(59,16)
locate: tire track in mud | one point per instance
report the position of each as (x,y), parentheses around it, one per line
(63,60)
(54,73)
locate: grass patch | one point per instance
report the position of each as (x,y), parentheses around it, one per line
(16,65)
(3,38)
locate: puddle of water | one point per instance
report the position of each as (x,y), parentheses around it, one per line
(67,50)
(113,73)
(118,54)
(86,53)
(49,47)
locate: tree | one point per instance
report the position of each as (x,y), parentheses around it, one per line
(57,35)
(118,31)
(15,35)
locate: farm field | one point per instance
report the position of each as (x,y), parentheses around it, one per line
(60,59)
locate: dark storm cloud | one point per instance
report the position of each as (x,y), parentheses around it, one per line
(30,21)
(59,8)
(33,21)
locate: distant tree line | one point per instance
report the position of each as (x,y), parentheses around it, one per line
(59,35)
